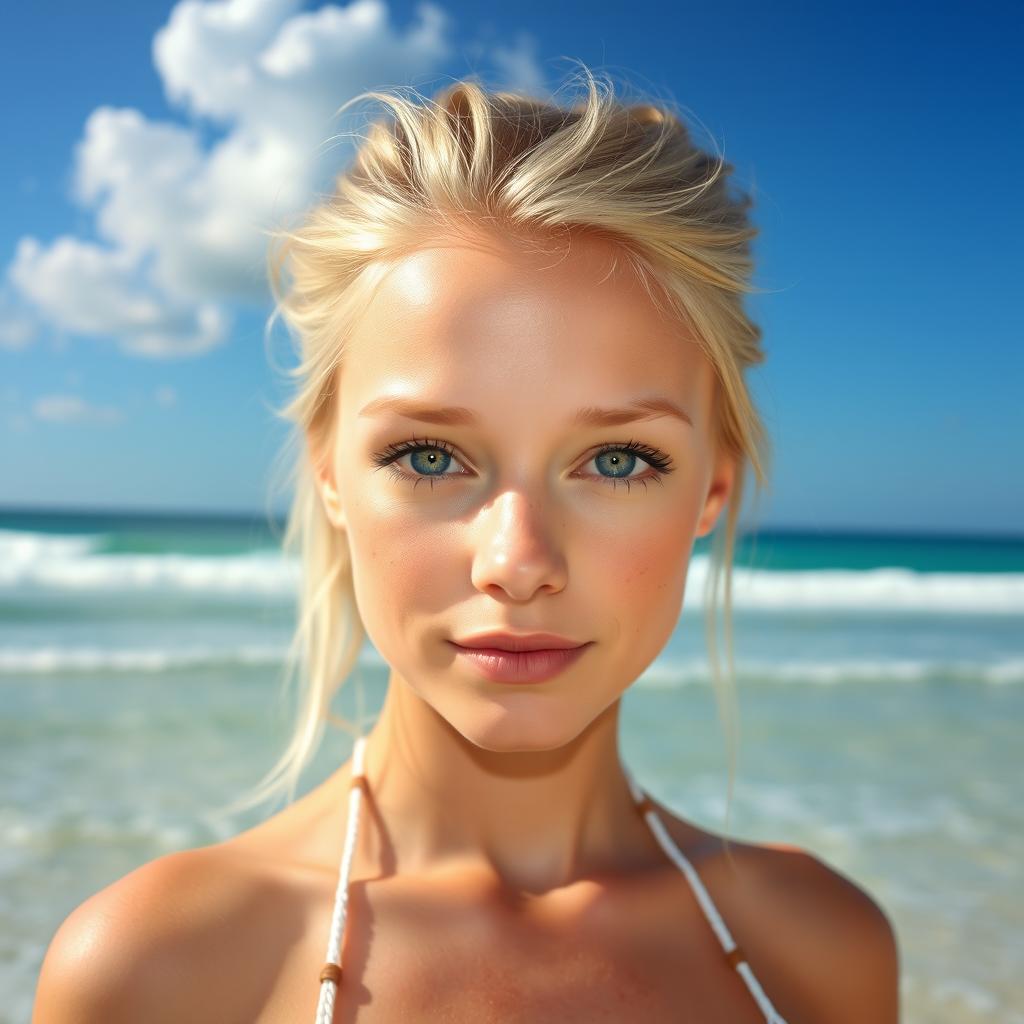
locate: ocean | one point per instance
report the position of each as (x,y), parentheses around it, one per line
(880,687)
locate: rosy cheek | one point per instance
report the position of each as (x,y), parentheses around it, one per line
(647,572)
(406,561)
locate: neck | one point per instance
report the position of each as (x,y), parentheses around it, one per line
(536,820)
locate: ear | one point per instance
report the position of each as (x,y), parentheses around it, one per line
(720,488)
(326,485)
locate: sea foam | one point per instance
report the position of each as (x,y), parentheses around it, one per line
(45,563)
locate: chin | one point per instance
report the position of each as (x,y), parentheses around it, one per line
(506,728)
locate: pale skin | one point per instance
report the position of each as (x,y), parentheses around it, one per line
(502,872)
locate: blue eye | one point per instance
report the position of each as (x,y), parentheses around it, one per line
(621,459)
(618,461)
(430,459)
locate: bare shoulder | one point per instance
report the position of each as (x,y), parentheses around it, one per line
(820,944)
(141,948)
(816,938)
(840,942)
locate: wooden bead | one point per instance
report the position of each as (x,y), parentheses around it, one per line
(735,957)
(331,972)
(360,781)
(645,804)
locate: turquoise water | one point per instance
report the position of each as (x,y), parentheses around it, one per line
(881,689)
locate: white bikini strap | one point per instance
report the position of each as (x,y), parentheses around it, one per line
(733,953)
(330,975)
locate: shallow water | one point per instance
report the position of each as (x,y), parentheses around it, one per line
(880,691)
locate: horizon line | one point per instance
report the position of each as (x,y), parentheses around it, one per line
(279,515)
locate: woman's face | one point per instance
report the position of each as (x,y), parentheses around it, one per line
(518,511)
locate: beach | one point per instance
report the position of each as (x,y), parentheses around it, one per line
(880,687)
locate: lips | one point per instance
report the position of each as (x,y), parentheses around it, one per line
(529,664)
(519,642)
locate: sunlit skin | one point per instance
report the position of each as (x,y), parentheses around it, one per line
(528,531)
(502,873)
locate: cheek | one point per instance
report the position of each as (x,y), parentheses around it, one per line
(402,564)
(642,574)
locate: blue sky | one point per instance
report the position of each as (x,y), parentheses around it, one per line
(883,146)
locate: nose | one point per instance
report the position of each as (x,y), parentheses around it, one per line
(515,552)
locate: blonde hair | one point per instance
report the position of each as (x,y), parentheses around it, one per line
(528,167)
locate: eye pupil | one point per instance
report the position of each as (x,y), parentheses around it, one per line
(616,459)
(429,458)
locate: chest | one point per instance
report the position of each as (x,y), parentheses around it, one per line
(562,982)
(414,957)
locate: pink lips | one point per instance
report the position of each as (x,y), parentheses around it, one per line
(519,659)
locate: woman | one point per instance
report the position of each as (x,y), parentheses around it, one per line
(522,399)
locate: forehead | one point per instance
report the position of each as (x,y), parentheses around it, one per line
(487,321)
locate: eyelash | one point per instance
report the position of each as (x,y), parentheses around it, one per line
(658,461)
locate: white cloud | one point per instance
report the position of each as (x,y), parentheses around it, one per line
(180,224)
(72,409)
(518,64)
(166,397)
(88,289)
(18,326)
(16,331)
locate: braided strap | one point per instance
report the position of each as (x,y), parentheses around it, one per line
(330,973)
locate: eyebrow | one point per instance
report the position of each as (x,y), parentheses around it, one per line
(647,408)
